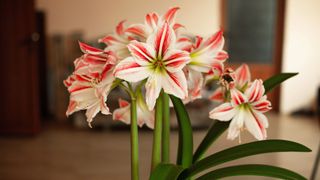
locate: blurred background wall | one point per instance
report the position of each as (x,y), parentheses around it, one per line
(301,53)
(99,17)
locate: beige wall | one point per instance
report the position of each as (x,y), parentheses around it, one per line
(301,53)
(99,17)
(301,46)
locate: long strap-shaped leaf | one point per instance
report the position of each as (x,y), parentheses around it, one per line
(244,150)
(219,127)
(252,169)
(185,147)
(276,80)
(166,172)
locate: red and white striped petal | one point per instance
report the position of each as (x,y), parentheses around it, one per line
(198,42)
(143,53)
(177,26)
(152,20)
(175,60)
(175,84)
(262,105)
(217,95)
(138,30)
(120,29)
(255,91)
(213,44)
(224,112)
(237,97)
(169,16)
(162,39)
(254,123)
(129,70)
(109,40)
(85,48)
(243,75)
(222,56)
(207,53)
(153,88)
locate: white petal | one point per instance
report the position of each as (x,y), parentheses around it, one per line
(131,71)
(92,112)
(236,124)
(153,88)
(175,84)
(254,126)
(224,112)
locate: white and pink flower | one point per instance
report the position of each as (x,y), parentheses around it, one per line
(245,110)
(206,56)
(91,81)
(159,62)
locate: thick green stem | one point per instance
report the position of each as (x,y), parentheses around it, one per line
(134,141)
(166,129)
(156,151)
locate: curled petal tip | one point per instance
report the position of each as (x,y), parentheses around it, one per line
(89,124)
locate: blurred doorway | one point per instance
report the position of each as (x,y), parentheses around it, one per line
(254,35)
(19,68)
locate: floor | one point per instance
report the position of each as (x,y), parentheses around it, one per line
(66,153)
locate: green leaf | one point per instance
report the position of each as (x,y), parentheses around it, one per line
(217,128)
(244,150)
(252,169)
(185,146)
(276,80)
(166,172)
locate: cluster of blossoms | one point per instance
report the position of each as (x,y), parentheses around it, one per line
(159,56)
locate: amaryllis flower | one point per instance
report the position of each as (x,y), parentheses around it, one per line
(144,116)
(206,56)
(89,85)
(159,62)
(240,78)
(152,22)
(245,111)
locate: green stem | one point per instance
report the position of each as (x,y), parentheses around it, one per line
(166,129)
(134,141)
(156,149)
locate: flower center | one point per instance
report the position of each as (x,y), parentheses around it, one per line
(95,82)
(158,64)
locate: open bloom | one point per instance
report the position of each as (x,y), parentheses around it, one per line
(240,79)
(245,111)
(144,116)
(206,56)
(89,85)
(159,62)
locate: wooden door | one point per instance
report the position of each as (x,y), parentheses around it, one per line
(19,112)
(254,35)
